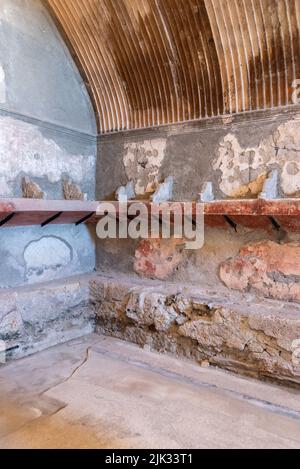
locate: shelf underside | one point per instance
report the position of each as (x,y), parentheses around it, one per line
(254,213)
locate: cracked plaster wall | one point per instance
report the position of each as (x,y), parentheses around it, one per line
(236,154)
(47,129)
(239,334)
(233,154)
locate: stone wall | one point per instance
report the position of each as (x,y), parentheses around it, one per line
(33,318)
(47,135)
(237,154)
(234,303)
(237,332)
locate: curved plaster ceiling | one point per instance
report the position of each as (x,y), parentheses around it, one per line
(153,62)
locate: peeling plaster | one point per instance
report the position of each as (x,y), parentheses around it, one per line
(24,149)
(142,162)
(244,170)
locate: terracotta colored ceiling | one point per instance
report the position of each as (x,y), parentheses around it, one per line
(152,62)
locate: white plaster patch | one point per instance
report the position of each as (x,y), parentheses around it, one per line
(46,254)
(24,148)
(243,166)
(2,86)
(142,162)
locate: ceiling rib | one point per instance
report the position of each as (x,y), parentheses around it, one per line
(153,62)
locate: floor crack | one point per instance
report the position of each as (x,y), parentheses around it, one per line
(74,372)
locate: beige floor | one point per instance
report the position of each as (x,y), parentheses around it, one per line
(99,392)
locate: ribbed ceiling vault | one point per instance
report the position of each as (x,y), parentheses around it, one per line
(152,62)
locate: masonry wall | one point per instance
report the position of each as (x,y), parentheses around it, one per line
(47,133)
(237,154)
(240,293)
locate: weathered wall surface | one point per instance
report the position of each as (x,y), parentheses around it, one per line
(47,156)
(34,254)
(36,317)
(236,332)
(236,154)
(47,129)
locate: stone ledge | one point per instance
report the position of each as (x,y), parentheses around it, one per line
(234,331)
(39,316)
(237,332)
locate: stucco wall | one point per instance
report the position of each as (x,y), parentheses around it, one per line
(231,152)
(40,77)
(47,133)
(237,155)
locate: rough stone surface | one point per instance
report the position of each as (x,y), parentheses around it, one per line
(270,188)
(72,191)
(124,193)
(31,190)
(158,258)
(46,160)
(207,192)
(244,170)
(237,333)
(142,162)
(266,267)
(35,318)
(164,192)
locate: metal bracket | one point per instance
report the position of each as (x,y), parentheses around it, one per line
(231,222)
(82,220)
(54,217)
(7,219)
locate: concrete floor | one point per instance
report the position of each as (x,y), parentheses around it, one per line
(99,392)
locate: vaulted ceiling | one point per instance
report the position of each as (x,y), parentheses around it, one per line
(152,62)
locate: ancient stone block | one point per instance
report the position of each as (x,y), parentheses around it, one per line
(266,267)
(256,339)
(151,309)
(31,190)
(207,192)
(164,192)
(72,191)
(125,193)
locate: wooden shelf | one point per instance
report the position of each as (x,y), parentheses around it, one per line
(254,213)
